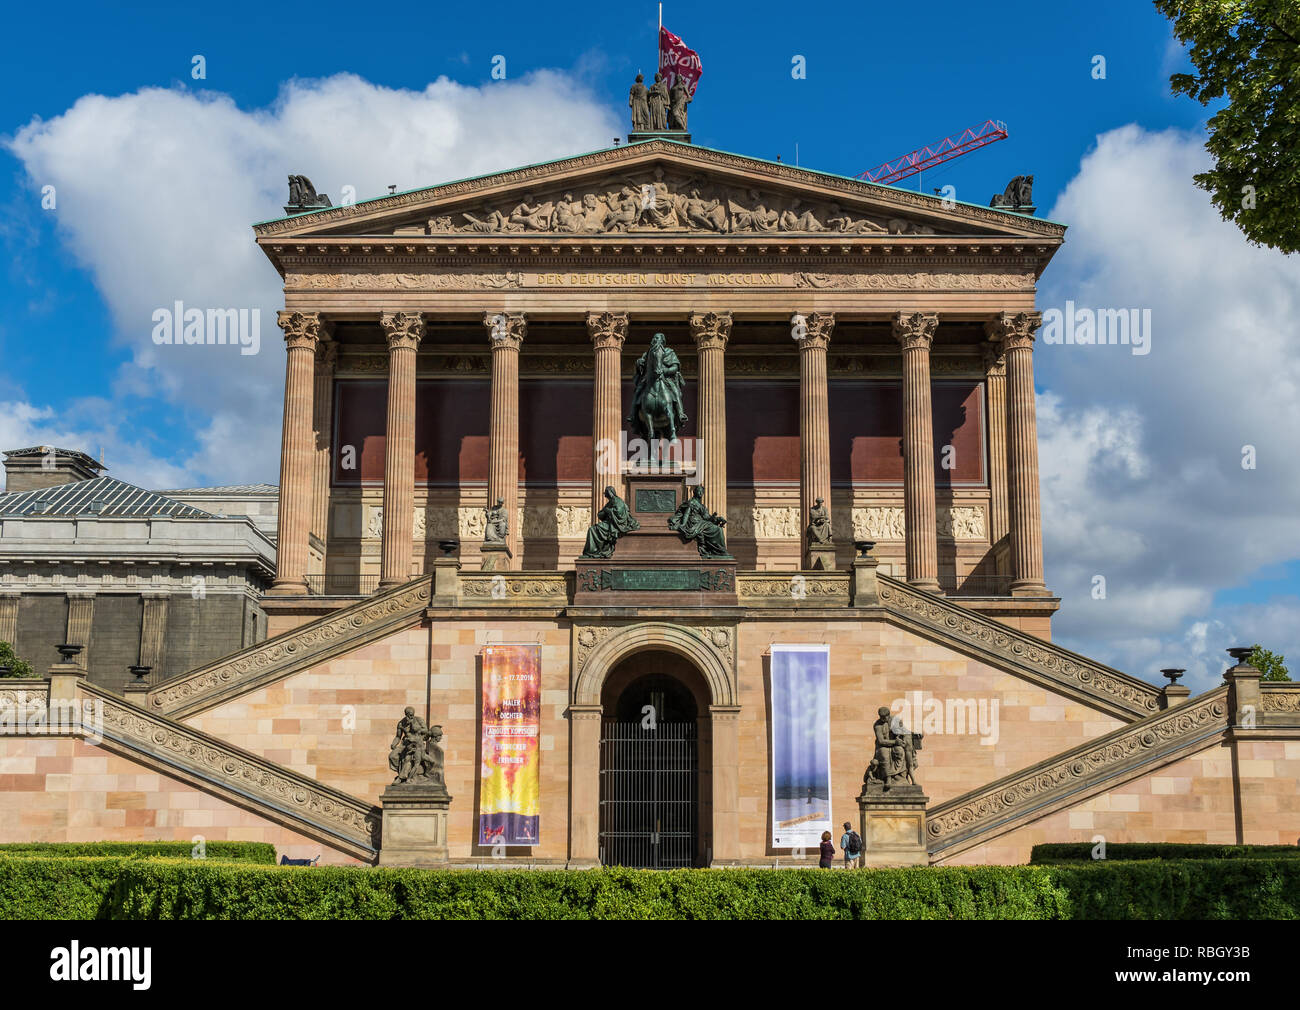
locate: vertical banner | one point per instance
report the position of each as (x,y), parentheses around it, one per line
(801,745)
(509,812)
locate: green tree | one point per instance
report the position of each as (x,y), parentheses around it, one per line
(1270,665)
(1246,54)
(17,667)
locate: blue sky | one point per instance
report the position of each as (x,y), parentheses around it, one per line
(156,190)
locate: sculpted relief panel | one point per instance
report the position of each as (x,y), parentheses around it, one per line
(656,201)
(886,522)
(562,522)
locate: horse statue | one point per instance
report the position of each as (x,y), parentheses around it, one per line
(657,410)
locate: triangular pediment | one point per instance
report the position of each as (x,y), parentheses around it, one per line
(660,188)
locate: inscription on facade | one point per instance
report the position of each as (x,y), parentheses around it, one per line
(674,580)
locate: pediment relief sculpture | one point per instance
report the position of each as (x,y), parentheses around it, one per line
(656,201)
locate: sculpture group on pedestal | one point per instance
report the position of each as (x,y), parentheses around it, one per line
(657,409)
(894,759)
(658,108)
(819,524)
(415,754)
(613,521)
(496,527)
(694,521)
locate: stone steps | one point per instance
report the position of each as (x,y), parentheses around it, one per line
(335,634)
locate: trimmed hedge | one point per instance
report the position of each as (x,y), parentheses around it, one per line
(108,888)
(1074,852)
(235,852)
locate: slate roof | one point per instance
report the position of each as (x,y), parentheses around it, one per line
(232,490)
(115,498)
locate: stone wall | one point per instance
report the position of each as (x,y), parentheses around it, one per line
(334,721)
(873,663)
(60,789)
(300,721)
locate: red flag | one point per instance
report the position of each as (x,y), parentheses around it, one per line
(677,59)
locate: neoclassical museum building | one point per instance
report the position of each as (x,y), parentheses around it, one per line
(470,383)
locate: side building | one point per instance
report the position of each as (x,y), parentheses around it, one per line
(134,577)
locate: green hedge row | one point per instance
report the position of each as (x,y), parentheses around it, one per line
(237,852)
(1072,852)
(107,888)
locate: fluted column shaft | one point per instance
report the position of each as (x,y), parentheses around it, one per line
(915,334)
(1015,333)
(506,331)
(608,331)
(327,353)
(995,401)
(711,331)
(813,335)
(404,331)
(302,332)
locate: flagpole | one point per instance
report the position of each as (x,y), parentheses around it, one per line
(661,17)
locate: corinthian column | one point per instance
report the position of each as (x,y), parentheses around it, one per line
(506,330)
(608,331)
(327,353)
(915,334)
(302,332)
(711,331)
(995,402)
(813,335)
(404,331)
(1015,335)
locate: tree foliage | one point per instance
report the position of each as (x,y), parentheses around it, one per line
(1246,56)
(17,667)
(1270,665)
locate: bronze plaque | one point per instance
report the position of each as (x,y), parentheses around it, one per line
(656,499)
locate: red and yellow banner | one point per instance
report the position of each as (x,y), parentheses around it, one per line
(509,808)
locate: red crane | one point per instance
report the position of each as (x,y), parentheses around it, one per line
(988,132)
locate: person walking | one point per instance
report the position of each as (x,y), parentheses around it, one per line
(828,852)
(851,845)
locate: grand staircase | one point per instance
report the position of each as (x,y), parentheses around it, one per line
(1074,776)
(335,634)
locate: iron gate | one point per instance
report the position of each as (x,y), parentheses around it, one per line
(649,791)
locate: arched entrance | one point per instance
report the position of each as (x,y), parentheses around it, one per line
(655,755)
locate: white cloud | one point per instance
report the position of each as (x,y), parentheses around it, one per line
(97,429)
(157,191)
(1141,456)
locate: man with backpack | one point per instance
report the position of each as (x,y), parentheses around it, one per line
(850,845)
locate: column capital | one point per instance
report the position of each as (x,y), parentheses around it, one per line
(915,329)
(402,329)
(1013,330)
(813,329)
(327,355)
(303,329)
(994,358)
(607,329)
(506,329)
(710,329)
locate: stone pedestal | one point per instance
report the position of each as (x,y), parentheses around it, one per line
(893,826)
(137,695)
(415,825)
(496,557)
(865,587)
(446,580)
(653,566)
(639,136)
(820,558)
